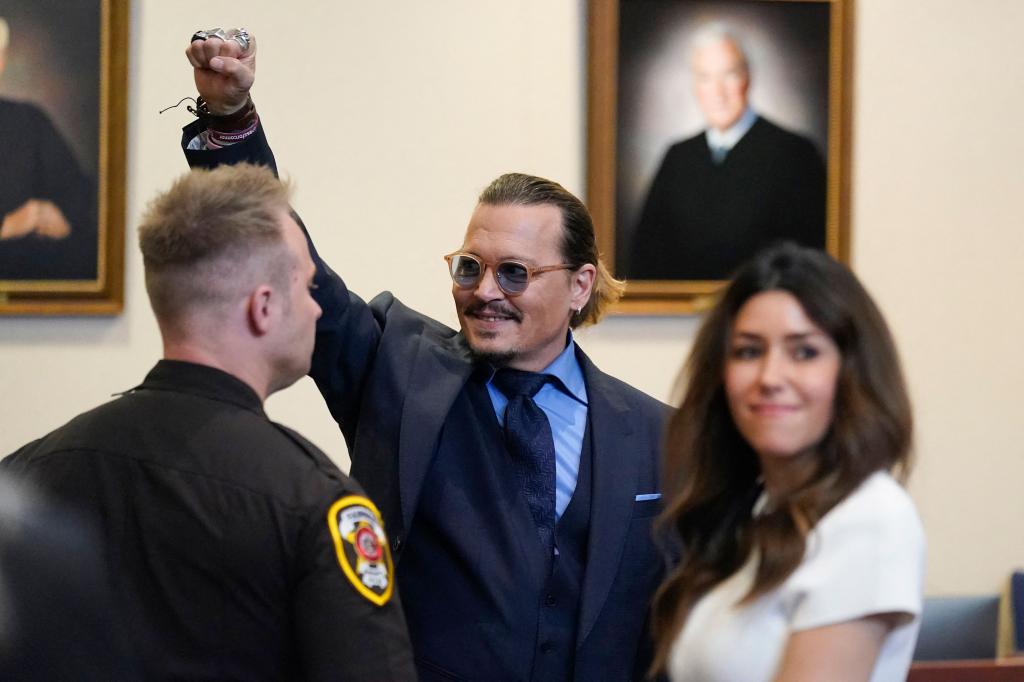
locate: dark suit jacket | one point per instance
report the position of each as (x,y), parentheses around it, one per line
(390,375)
(702,220)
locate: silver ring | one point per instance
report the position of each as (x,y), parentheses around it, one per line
(199,35)
(240,36)
(217,33)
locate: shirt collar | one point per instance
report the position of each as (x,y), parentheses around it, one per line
(727,139)
(203,380)
(566,368)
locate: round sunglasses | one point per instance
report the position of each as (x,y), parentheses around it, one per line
(512,276)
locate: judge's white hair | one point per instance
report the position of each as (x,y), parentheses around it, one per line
(716,32)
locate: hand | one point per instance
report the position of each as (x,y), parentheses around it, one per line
(51,222)
(224,73)
(21,221)
(35,215)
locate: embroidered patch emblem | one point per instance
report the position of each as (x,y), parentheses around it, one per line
(362,547)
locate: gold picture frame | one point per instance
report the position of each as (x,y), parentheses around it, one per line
(69,94)
(636,73)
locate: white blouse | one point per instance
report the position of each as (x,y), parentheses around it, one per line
(866,556)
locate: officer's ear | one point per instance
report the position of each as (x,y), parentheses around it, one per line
(260,309)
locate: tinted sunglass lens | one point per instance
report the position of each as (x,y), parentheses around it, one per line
(465,271)
(513,277)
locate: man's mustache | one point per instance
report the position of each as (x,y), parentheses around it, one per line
(494,308)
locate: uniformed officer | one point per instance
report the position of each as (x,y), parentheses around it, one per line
(237,549)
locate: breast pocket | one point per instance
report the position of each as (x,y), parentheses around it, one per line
(643,509)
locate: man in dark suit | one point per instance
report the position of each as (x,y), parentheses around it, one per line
(741,184)
(514,562)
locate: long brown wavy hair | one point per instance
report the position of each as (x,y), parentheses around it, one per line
(711,478)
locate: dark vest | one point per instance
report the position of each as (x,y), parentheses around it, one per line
(481,600)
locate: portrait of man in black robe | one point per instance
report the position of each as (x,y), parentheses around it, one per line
(741,181)
(48,205)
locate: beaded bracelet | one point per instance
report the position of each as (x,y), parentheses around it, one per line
(230,128)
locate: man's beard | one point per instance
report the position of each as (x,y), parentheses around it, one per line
(497,358)
(501,358)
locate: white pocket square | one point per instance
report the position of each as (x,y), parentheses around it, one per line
(648,496)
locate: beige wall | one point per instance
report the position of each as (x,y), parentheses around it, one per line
(392,116)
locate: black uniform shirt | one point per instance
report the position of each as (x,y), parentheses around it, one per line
(236,548)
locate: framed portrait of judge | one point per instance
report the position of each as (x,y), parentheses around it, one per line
(63,76)
(715,128)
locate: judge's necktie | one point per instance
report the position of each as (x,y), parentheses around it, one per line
(529,440)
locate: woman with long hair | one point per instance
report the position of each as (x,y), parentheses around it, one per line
(802,556)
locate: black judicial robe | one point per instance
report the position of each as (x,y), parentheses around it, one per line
(38,164)
(702,220)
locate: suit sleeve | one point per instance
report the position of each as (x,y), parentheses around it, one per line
(341,632)
(254,149)
(347,333)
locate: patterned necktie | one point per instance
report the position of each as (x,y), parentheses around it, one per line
(528,437)
(718,155)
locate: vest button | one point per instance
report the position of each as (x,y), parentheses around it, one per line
(396,543)
(547,647)
(550,600)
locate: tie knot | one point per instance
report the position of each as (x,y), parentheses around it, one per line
(514,382)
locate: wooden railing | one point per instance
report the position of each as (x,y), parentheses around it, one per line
(1010,670)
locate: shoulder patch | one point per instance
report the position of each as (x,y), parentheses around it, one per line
(362,547)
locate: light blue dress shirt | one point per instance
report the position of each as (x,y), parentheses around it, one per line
(727,139)
(567,414)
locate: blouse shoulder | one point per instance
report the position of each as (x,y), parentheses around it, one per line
(879,507)
(865,556)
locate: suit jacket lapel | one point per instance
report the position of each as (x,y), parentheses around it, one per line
(614,483)
(439,371)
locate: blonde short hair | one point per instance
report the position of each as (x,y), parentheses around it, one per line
(210,234)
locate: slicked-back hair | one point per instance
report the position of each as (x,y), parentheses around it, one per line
(711,473)
(207,238)
(579,244)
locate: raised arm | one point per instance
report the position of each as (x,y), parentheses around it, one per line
(229,131)
(224,69)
